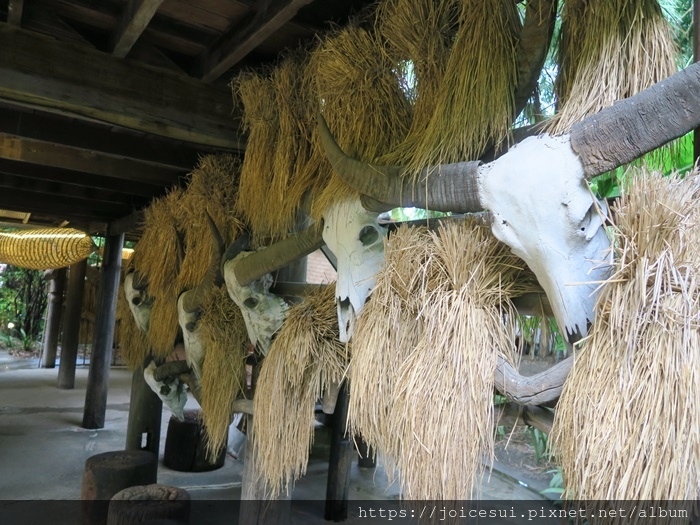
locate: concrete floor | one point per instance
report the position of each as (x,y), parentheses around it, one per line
(43,451)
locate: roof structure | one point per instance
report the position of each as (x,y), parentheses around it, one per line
(104,104)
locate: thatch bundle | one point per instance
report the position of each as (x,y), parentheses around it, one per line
(475,104)
(363,103)
(255,202)
(157,257)
(422,32)
(212,188)
(627,425)
(304,359)
(609,50)
(425,350)
(225,338)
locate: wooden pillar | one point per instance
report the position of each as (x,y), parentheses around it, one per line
(340,462)
(57,283)
(255,510)
(71,325)
(100,360)
(145,415)
(696,57)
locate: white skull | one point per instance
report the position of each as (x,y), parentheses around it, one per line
(357,240)
(172,394)
(263,312)
(140,303)
(543,209)
(191,335)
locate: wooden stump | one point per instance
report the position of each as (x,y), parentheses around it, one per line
(108,473)
(149,502)
(185,446)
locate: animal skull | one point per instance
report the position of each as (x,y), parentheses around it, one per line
(139,301)
(191,334)
(263,312)
(172,394)
(357,240)
(557,229)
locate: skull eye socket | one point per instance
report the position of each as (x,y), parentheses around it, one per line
(251,302)
(136,301)
(368,235)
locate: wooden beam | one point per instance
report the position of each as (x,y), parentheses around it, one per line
(71,79)
(64,208)
(126,224)
(238,42)
(58,190)
(35,172)
(71,325)
(136,16)
(84,135)
(14,12)
(65,157)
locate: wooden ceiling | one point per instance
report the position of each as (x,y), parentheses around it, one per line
(106,103)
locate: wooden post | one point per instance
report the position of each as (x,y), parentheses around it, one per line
(57,283)
(255,510)
(71,325)
(100,360)
(696,57)
(145,413)
(340,462)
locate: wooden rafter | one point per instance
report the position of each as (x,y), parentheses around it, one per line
(70,79)
(54,155)
(85,180)
(87,136)
(14,12)
(136,16)
(240,41)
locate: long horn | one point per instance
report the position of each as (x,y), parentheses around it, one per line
(194,299)
(637,125)
(449,187)
(278,255)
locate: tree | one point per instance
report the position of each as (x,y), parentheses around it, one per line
(23,301)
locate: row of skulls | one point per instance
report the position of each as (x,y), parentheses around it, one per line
(537,194)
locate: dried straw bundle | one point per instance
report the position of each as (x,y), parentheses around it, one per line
(295,169)
(609,50)
(212,188)
(225,338)
(423,32)
(157,257)
(474,106)
(452,297)
(627,425)
(256,202)
(363,103)
(304,359)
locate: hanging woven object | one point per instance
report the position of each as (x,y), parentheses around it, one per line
(45,248)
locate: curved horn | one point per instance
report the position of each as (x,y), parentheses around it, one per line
(449,187)
(278,255)
(637,125)
(194,299)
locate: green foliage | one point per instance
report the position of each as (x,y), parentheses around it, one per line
(540,443)
(23,301)
(556,484)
